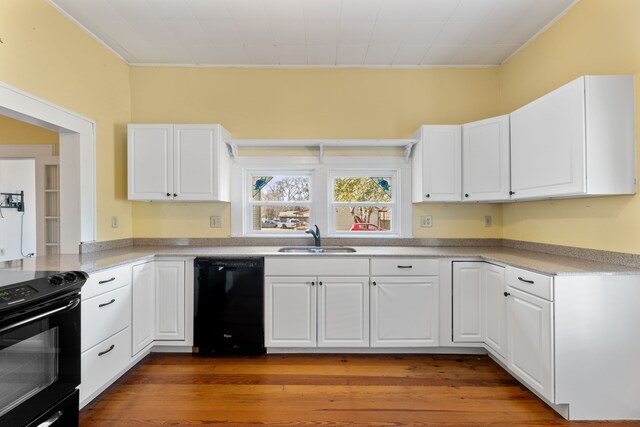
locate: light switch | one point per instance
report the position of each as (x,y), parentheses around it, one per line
(114,222)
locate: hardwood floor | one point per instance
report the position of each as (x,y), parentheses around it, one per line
(321,390)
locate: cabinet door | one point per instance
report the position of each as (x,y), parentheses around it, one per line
(290,311)
(169,300)
(143,306)
(467,301)
(195,158)
(441,163)
(343,312)
(529,338)
(404,311)
(150,162)
(494,308)
(548,144)
(485,159)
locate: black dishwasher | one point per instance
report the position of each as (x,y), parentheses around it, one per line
(229,307)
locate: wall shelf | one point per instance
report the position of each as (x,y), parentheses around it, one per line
(320,144)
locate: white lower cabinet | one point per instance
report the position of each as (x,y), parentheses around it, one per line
(468,301)
(394,306)
(102,363)
(404,311)
(143,302)
(169,301)
(343,311)
(105,329)
(290,309)
(317,311)
(530,340)
(494,309)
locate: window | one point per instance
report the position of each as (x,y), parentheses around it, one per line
(363,203)
(346,196)
(280,202)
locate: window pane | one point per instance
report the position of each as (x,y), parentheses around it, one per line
(362,189)
(363,218)
(280,188)
(280,218)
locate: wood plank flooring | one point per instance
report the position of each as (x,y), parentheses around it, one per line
(321,390)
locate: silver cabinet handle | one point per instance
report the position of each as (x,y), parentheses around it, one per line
(55,417)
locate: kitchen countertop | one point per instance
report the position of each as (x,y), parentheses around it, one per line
(534,261)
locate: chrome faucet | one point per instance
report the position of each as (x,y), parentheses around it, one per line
(315,234)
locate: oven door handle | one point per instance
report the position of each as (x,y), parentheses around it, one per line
(72,304)
(55,417)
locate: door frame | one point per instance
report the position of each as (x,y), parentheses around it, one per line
(77,161)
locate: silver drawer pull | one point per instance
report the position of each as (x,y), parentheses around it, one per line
(55,417)
(525,280)
(405,266)
(102,282)
(107,303)
(107,351)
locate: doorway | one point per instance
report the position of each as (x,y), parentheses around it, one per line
(76,170)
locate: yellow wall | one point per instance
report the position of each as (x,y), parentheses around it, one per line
(311,103)
(45,54)
(594,37)
(21,133)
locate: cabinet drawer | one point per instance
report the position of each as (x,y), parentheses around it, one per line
(404,267)
(104,362)
(104,315)
(534,283)
(105,281)
(316,266)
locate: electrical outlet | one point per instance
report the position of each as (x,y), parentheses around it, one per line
(114,222)
(488,221)
(215,221)
(426,221)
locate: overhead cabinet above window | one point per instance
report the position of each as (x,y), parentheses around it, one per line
(178,163)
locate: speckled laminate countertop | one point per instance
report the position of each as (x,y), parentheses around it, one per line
(534,261)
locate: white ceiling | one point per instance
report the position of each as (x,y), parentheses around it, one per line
(315,33)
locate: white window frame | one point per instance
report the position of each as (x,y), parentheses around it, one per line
(244,166)
(394,204)
(249,203)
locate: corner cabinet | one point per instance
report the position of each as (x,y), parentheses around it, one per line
(437,164)
(178,162)
(578,140)
(485,160)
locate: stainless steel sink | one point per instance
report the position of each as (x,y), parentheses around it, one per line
(317,250)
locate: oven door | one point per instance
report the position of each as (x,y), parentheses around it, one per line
(39,358)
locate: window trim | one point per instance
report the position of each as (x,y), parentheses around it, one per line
(396,208)
(240,227)
(249,204)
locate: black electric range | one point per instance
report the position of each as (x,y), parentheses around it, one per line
(39,347)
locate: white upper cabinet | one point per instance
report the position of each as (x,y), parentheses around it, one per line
(578,140)
(437,164)
(178,163)
(150,161)
(485,160)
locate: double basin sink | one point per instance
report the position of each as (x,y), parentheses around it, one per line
(317,250)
